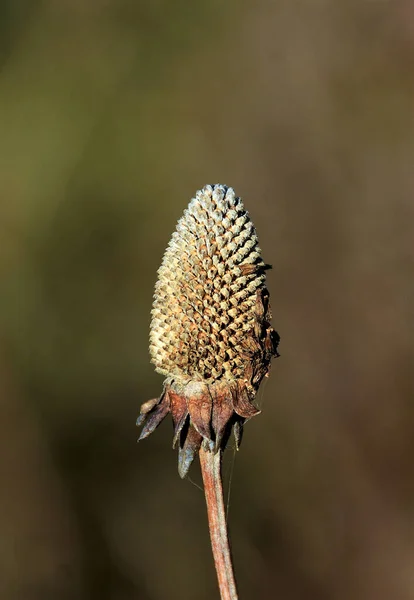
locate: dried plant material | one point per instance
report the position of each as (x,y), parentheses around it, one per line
(210,331)
(211,337)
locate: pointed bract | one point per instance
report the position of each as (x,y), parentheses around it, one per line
(199,402)
(179,413)
(221,415)
(188,451)
(155,417)
(238,433)
(241,403)
(146,408)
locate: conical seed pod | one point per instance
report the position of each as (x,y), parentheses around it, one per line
(210,331)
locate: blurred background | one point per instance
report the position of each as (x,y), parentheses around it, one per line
(112,114)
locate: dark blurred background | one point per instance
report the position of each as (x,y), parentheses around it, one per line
(112,114)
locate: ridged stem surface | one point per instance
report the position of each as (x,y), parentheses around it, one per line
(213,488)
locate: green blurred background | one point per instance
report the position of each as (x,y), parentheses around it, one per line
(112,114)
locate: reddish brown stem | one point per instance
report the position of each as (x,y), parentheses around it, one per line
(210,462)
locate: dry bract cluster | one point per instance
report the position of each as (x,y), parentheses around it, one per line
(210,331)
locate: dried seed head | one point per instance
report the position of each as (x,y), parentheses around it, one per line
(204,301)
(210,330)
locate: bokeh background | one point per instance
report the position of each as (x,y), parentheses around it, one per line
(112,114)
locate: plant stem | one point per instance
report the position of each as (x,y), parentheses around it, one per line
(210,462)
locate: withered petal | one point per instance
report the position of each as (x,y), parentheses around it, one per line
(275,340)
(221,414)
(242,405)
(188,451)
(179,413)
(238,433)
(199,407)
(155,417)
(146,408)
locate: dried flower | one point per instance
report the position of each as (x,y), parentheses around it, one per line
(210,331)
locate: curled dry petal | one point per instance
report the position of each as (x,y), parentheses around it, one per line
(221,415)
(199,402)
(155,417)
(145,409)
(242,405)
(187,452)
(238,432)
(179,413)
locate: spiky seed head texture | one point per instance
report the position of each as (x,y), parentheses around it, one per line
(210,329)
(205,296)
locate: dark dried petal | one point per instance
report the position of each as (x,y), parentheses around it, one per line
(199,406)
(146,408)
(187,453)
(260,370)
(155,417)
(242,404)
(179,413)
(265,298)
(238,433)
(222,413)
(272,341)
